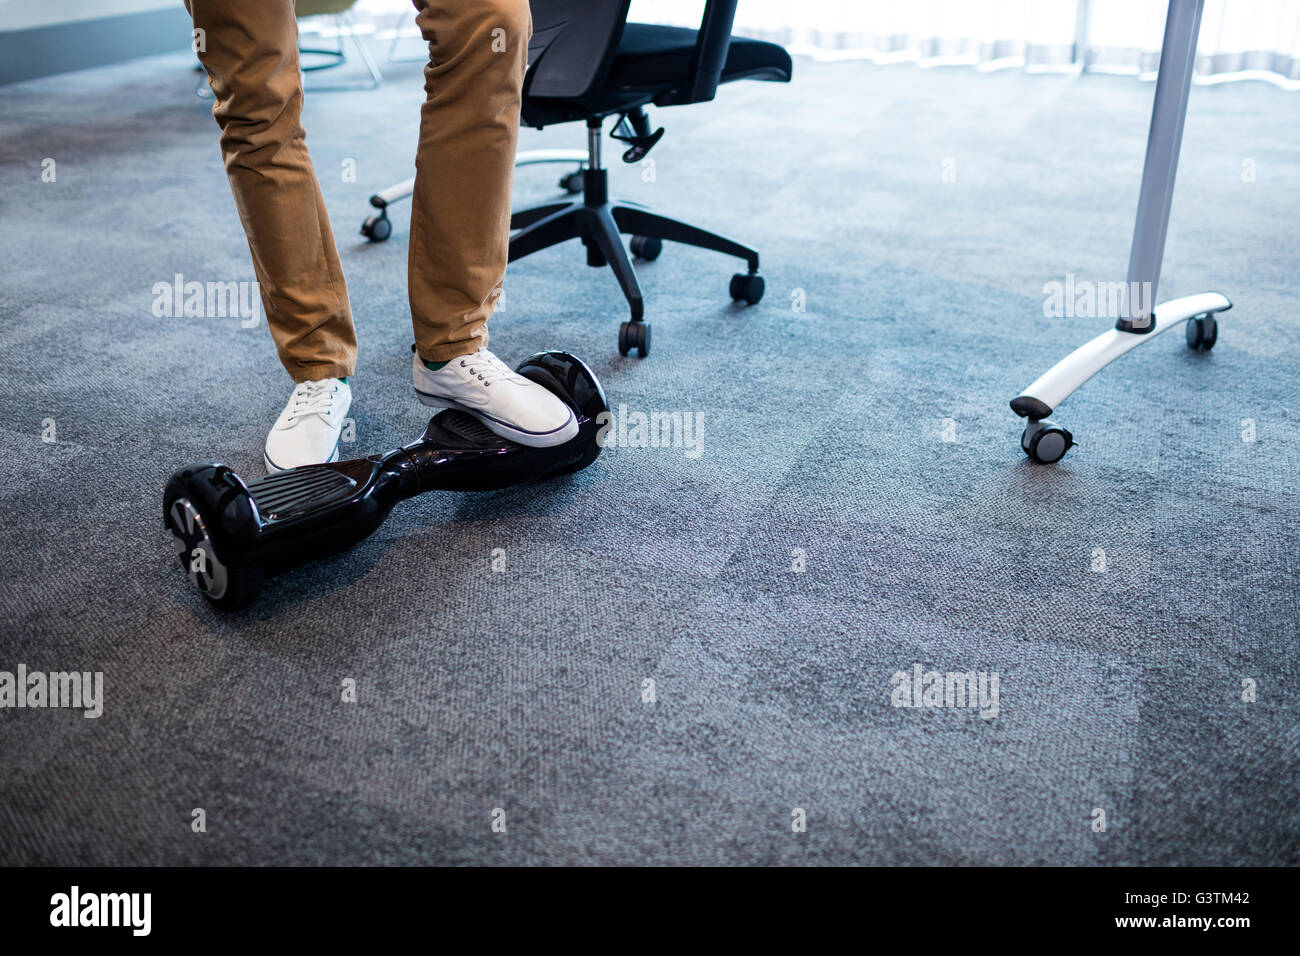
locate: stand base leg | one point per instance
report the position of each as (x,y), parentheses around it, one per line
(1040,399)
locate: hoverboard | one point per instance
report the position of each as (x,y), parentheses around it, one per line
(231,535)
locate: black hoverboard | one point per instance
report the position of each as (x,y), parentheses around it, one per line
(231,535)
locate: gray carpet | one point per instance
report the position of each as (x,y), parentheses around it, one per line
(823,431)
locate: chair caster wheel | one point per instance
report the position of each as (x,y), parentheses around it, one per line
(634,335)
(377,228)
(1045,442)
(747,286)
(572,183)
(1202,332)
(646,247)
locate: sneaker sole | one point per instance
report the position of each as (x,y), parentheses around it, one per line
(273,469)
(565,433)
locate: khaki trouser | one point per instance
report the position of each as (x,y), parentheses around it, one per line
(460,212)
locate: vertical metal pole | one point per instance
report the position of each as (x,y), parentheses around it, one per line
(1173,82)
(594,130)
(1082,15)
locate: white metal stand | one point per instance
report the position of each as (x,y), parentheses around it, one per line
(1043,440)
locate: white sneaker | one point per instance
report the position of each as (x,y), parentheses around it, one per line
(307,431)
(512,406)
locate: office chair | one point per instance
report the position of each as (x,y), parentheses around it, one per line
(587,63)
(346,26)
(341,11)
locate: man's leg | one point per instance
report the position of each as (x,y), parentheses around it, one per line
(250,51)
(464,169)
(460,217)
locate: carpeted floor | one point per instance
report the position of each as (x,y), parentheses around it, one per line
(917,214)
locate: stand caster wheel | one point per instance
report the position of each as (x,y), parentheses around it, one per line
(1202,332)
(634,335)
(1045,442)
(646,247)
(747,286)
(572,183)
(377,228)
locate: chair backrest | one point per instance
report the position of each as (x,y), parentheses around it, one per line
(574,43)
(316,8)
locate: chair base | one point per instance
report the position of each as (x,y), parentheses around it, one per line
(377,227)
(600,223)
(346,26)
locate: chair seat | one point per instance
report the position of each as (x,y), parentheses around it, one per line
(653,57)
(653,65)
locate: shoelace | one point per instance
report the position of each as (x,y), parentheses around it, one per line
(309,397)
(487,368)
